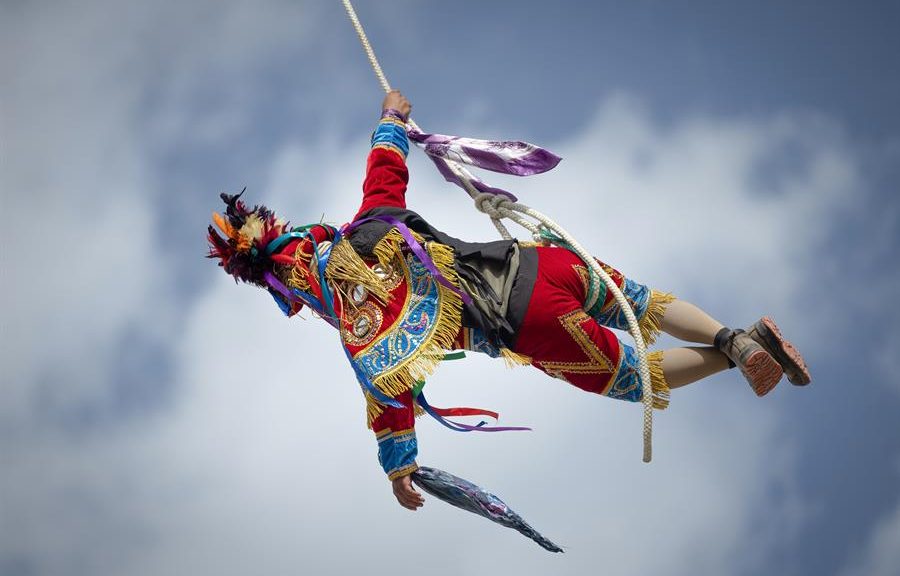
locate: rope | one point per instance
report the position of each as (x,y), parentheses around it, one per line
(366,46)
(498,207)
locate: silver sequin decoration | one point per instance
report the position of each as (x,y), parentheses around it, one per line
(383,272)
(359,294)
(362,326)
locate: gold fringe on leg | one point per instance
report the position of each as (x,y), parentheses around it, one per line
(659,387)
(514,359)
(652,320)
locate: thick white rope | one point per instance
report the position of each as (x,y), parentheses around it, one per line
(498,207)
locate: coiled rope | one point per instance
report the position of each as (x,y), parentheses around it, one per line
(498,207)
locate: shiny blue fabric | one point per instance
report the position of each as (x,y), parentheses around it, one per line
(392,134)
(627,385)
(397,451)
(637,295)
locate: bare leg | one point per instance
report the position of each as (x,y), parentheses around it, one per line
(687,322)
(682,366)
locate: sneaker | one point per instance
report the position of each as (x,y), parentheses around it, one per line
(756,364)
(767,334)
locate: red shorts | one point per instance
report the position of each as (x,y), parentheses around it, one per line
(567,343)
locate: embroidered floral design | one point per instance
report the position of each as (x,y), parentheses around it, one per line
(418,322)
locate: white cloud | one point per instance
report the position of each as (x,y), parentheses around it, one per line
(82,260)
(80,225)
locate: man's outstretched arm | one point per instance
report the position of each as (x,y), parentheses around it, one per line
(386,173)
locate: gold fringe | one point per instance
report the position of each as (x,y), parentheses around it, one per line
(652,320)
(389,246)
(299,278)
(431,352)
(299,274)
(514,359)
(345,269)
(373,411)
(658,385)
(345,265)
(408,469)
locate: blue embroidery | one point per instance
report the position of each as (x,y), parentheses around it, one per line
(637,295)
(402,341)
(627,385)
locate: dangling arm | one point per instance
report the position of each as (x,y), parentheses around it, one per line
(386,173)
(397,449)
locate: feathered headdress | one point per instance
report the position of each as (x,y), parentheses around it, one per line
(242,251)
(260,249)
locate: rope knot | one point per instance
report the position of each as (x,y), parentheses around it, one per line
(491,204)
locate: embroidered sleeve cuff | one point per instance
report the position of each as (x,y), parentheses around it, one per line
(391,135)
(397,452)
(406,470)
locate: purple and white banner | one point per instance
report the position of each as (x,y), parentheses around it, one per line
(504,156)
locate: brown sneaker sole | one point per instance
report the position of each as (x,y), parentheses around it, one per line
(785,353)
(762,371)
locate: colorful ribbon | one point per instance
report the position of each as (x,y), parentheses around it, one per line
(439,413)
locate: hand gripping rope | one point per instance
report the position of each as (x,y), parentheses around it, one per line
(542,228)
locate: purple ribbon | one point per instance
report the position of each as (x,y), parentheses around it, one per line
(512,157)
(275,283)
(443,167)
(417,249)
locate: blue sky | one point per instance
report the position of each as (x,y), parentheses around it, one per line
(149,422)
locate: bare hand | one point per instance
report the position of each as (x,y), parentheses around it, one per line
(398,102)
(406,494)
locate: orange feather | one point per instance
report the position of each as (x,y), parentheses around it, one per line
(224,226)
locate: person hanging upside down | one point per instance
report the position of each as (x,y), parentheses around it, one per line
(401,293)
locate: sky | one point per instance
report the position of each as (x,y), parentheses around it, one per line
(156,418)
